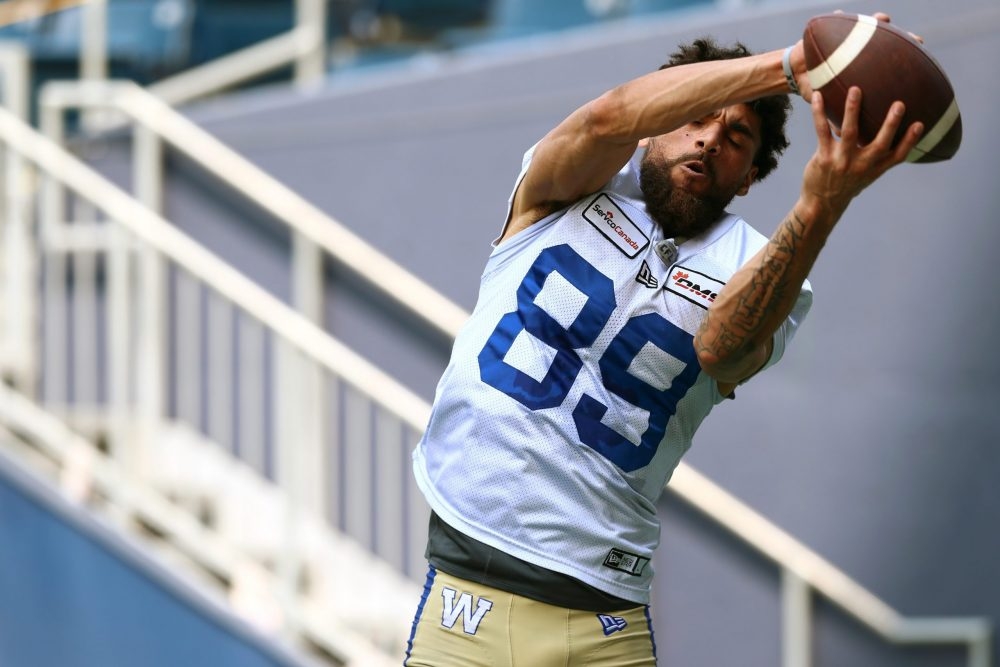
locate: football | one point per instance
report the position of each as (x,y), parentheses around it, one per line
(844,50)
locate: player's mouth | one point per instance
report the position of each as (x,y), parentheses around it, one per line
(695,168)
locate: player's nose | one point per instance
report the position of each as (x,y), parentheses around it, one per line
(709,139)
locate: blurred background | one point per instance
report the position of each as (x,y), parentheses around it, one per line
(238,238)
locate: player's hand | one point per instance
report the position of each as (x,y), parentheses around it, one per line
(798,61)
(839,170)
(885,18)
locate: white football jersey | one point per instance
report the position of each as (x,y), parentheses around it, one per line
(574,388)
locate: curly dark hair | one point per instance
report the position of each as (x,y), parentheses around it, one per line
(773,110)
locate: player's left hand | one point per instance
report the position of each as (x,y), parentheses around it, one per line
(839,170)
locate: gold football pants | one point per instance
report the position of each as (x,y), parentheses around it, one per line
(463,624)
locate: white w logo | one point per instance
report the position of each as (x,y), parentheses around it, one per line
(470,621)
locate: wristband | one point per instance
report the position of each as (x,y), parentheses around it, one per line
(786,64)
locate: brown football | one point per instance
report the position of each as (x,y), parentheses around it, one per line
(844,50)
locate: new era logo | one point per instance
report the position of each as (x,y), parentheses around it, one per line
(646,276)
(611,624)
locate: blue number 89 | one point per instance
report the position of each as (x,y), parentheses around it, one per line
(551,391)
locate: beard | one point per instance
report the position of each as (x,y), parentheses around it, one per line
(678,212)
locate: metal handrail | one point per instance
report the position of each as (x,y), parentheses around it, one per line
(806,566)
(82,468)
(303,47)
(408,291)
(238,67)
(287,325)
(152,229)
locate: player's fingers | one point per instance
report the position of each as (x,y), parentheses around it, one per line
(885,18)
(882,143)
(852,110)
(890,126)
(909,140)
(879,16)
(823,136)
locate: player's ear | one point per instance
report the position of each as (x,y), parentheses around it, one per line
(747,181)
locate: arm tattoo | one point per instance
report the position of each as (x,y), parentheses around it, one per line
(768,289)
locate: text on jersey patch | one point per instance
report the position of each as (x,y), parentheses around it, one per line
(610,220)
(697,288)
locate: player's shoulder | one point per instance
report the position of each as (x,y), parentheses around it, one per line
(730,243)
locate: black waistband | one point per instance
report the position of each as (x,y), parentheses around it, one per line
(461,556)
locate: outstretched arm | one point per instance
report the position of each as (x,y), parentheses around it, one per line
(591,145)
(734,341)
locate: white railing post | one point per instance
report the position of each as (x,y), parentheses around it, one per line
(307,297)
(250,406)
(18,349)
(119,422)
(311,64)
(82,265)
(288,365)
(981,650)
(796,611)
(149,352)
(94,52)
(298,438)
(147,167)
(150,298)
(94,40)
(52,207)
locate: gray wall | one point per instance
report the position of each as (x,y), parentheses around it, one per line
(875,441)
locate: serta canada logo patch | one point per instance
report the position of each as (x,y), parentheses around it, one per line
(697,288)
(611,624)
(623,561)
(451,611)
(646,276)
(610,220)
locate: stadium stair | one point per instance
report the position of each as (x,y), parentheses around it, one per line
(200,513)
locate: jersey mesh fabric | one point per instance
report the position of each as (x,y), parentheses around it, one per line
(573,389)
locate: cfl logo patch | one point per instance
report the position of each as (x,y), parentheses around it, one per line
(452,610)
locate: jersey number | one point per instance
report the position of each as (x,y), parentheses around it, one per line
(551,390)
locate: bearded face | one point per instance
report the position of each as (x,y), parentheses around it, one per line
(688,177)
(679,212)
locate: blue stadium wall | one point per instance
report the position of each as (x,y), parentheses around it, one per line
(875,441)
(73,593)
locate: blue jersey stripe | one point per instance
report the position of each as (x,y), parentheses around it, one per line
(649,622)
(428,584)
